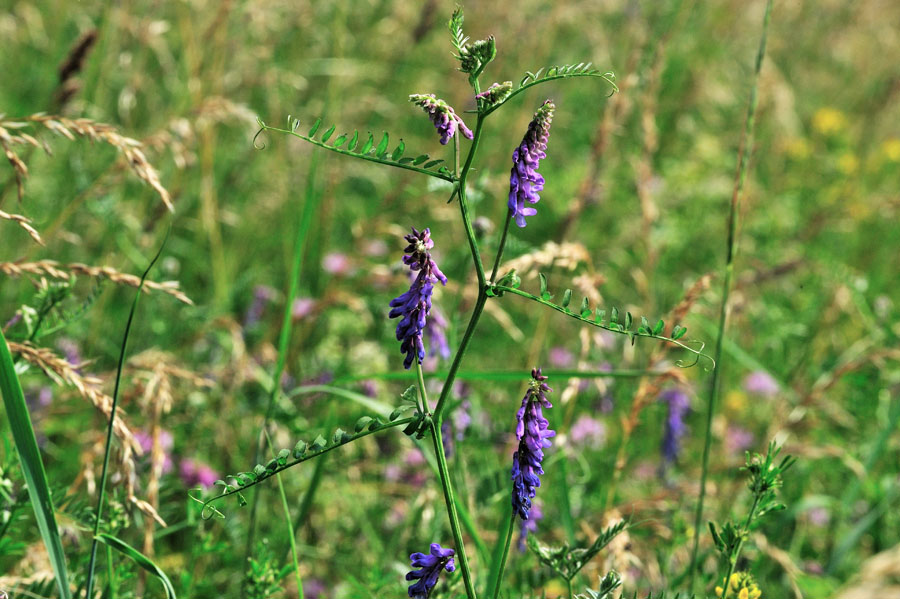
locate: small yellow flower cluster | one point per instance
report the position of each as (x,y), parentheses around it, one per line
(740,586)
(829,121)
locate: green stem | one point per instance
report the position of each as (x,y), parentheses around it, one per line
(731,251)
(420,383)
(500,248)
(495,584)
(569,585)
(464,206)
(732,562)
(98,512)
(451,507)
(290,531)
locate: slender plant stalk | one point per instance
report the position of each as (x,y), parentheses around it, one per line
(500,248)
(309,207)
(290,531)
(734,558)
(98,512)
(498,577)
(569,586)
(731,251)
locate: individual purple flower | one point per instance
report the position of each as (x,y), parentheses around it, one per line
(336,263)
(738,440)
(560,357)
(524,180)
(262,296)
(760,382)
(71,350)
(533,433)
(302,307)
(678,403)
(442,115)
(414,305)
(145,440)
(429,568)
(194,473)
(529,525)
(587,432)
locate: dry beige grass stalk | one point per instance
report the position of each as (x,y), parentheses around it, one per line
(88,387)
(54,269)
(70,129)
(23,222)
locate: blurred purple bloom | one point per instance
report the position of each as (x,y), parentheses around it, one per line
(430,567)
(678,403)
(587,432)
(524,180)
(533,432)
(530,525)
(818,516)
(560,357)
(760,382)
(71,350)
(738,440)
(195,473)
(369,388)
(262,296)
(16,319)
(336,263)
(436,332)
(414,305)
(302,307)
(313,588)
(442,115)
(454,428)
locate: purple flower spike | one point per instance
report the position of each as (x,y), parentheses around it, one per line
(414,305)
(445,119)
(679,403)
(524,180)
(533,433)
(430,567)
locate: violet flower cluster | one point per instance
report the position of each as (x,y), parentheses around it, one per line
(430,567)
(414,305)
(445,119)
(679,403)
(533,432)
(524,180)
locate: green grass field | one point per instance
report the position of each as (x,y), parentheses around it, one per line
(268,306)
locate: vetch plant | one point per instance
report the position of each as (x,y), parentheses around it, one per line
(417,318)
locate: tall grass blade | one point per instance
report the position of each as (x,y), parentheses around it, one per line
(32,466)
(140,559)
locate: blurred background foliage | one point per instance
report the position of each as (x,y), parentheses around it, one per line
(636,198)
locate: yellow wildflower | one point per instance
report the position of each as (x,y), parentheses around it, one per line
(891,149)
(740,586)
(848,163)
(829,121)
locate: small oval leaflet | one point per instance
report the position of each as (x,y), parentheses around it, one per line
(299,449)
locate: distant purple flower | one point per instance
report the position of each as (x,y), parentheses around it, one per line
(678,403)
(145,440)
(442,115)
(71,350)
(262,296)
(302,307)
(530,525)
(436,332)
(313,588)
(369,388)
(560,357)
(524,180)
(16,319)
(738,440)
(760,382)
(336,263)
(454,428)
(414,305)
(818,516)
(587,432)
(430,567)
(533,432)
(195,473)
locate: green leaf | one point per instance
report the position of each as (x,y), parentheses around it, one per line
(368,145)
(432,163)
(327,134)
(628,320)
(659,327)
(601,314)
(259,470)
(353,141)
(314,128)
(410,395)
(319,443)
(283,456)
(382,146)
(32,466)
(140,559)
(585,308)
(567,298)
(614,316)
(678,332)
(299,449)
(362,423)
(340,140)
(340,436)
(398,151)
(420,159)
(545,294)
